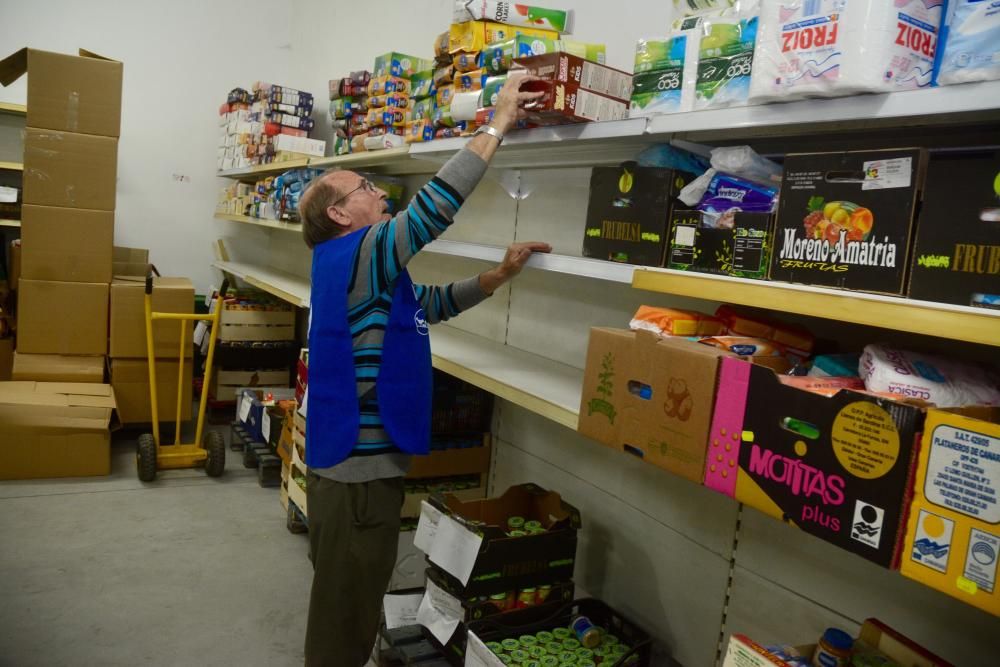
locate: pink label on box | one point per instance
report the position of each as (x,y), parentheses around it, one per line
(722,463)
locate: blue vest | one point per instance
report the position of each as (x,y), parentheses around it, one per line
(404,383)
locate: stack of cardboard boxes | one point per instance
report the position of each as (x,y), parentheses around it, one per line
(70,171)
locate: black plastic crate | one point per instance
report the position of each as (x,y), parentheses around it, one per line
(238,437)
(251,453)
(236,356)
(268,470)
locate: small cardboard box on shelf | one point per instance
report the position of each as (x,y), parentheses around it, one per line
(847,219)
(959,262)
(836,467)
(130,380)
(650,397)
(57,368)
(580,74)
(67,244)
(62,318)
(628,215)
(55,429)
(952,540)
(68,93)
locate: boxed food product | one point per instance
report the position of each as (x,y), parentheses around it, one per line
(846,219)
(959,262)
(650,397)
(62,318)
(473,36)
(399,64)
(465,61)
(513,14)
(386,85)
(67,244)
(469,541)
(55,429)
(561,67)
(566,103)
(836,467)
(68,93)
(952,540)
(629,212)
(676,322)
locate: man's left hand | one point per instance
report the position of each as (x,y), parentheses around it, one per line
(515,258)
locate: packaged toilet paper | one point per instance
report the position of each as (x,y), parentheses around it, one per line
(827,48)
(944,382)
(969,49)
(725,61)
(665,74)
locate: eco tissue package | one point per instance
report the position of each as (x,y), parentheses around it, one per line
(969,49)
(725,61)
(826,48)
(665,72)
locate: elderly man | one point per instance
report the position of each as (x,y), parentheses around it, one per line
(369,399)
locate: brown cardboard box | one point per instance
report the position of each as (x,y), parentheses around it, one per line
(128,319)
(52,429)
(452,462)
(129,262)
(62,318)
(57,368)
(6,358)
(70,170)
(130,379)
(75,94)
(14,270)
(70,244)
(652,397)
(225,384)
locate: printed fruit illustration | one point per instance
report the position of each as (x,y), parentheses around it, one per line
(827,220)
(679,402)
(626,181)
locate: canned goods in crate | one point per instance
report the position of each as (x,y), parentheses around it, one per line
(526,598)
(527,641)
(542,595)
(510,645)
(562,633)
(519,656)
(500,602)
(516,523)
(587,633)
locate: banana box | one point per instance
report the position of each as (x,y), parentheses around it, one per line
(953,534)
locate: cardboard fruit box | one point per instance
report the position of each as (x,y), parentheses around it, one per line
(952,539)
(651,397)
(847,219)
(959,262)
(449,529)
(836,467)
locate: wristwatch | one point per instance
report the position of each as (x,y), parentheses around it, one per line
(490,130)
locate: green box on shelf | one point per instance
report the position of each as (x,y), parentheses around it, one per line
(400,64)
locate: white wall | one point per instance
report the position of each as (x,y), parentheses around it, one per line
(181,58)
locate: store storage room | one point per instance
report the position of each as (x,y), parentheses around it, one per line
(473,333)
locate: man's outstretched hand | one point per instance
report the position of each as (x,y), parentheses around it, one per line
(514,259)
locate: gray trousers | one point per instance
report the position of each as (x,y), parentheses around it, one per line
(353,538)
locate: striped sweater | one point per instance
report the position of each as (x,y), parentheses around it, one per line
(384,252)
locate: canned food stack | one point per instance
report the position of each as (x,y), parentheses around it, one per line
(348,110)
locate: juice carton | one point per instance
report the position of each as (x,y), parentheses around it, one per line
(400,64)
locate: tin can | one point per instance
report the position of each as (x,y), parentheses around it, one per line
(537,652)
(496,647)
(500,602)
(587,633)
(517,533)
(516,523)
(526,598)
(527,641)
(554,648)
(533,525)
(543,637)
(609,640)
(567,657)
(570,644)
(562,633)
(510,645)
(519,656)
(584,654)
(549,661)
(542,594)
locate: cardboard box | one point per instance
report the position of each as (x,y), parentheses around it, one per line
(629,212)
(959,262)
(847,219)
(452,462)
(583,74)
(251,409)
(257,325)
(55,429)
(62,318)
(695,247)
(952,538)
(753,241)
(400,64)
(6,358)
(563,103)
(68,244)
(412,501)
(57,368)
(651,397)
(472,36)
(14,270)
(130,379)
(70,170)
(225,384)
(504,563)
(128,319)
(69,93)
(836,467)
(129,262)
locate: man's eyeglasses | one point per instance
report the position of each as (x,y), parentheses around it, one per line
(366,185)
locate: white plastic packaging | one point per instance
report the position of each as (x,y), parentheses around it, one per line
(827,48)
(744,162)
(970,42)
(944,382)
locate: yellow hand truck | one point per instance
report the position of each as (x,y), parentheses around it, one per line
(152,455)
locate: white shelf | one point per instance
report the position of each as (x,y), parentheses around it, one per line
(13,109)
(932,106)
(9,223)
(388,161)
(260,222)
(545,387)
(272,169)
(975,325)
(576,266)
(11,166)
(286,286)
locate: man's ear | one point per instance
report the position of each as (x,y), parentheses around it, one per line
(339,216)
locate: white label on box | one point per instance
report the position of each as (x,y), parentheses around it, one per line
(887,174)
(455,549)
(932,541)
(426,527)
(963,473)
(867,525)
(200,331)
(265,425)
(478,655)
(981,559)
(684,236)
(401,610)
(245,403)
(439,612)
(304,408)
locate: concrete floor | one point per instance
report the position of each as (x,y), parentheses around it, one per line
(186,570)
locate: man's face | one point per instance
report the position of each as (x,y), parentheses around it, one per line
(361,205)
